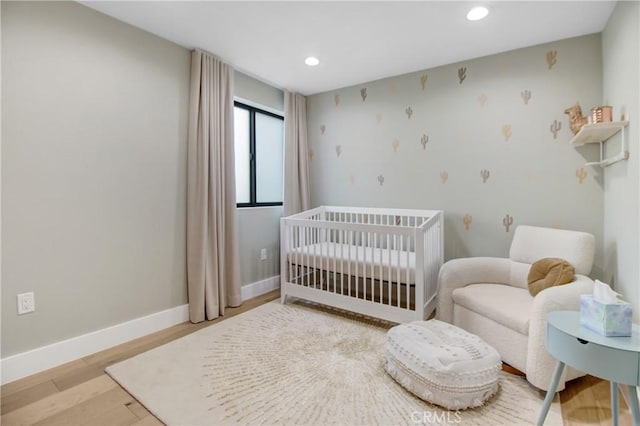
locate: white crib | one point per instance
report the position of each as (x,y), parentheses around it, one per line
(383,263)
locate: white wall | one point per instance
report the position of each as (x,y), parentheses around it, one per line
(256,92)
(94,116)
(621,90)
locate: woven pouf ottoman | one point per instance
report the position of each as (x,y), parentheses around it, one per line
(442,364)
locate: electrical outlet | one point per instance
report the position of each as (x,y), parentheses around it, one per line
(263,254)
(26,303)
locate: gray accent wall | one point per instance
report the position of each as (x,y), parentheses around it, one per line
(474,139)
(94,139)
(259,227)
(621,90)
(94,130)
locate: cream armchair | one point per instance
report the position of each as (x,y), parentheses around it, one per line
(489,297)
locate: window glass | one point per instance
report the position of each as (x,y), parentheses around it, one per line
(242,155)
(269,158)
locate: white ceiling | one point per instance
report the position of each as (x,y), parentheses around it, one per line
(355,41)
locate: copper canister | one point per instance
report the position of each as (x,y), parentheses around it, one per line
(601,114)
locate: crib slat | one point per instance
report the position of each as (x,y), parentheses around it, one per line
(407,275)
(350,239)
(373,252)
(295,254)
(341,240)
(335,267)
(378,243)
(310,280)
(407,286)
(306,261)
(364,266)
(388,265)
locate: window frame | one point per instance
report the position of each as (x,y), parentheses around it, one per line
(252,154)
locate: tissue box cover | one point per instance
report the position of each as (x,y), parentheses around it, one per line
(607,319)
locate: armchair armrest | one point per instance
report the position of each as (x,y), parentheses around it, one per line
(458,273)
(540,364)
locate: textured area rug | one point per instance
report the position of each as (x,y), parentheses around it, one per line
(298,364)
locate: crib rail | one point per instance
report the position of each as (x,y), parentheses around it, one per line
(378,262)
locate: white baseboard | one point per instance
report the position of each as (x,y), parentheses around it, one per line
(258,288)
(27,363)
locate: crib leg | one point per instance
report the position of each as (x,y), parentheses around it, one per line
(283,297)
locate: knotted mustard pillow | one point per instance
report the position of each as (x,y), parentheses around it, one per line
(549,272)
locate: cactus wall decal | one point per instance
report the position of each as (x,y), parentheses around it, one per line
(352,179)
(525,95)
(555,128)
(393,86)
(395,144)
(323,128)
(462,74)
(444,176)
(338,150)
(581,174)
(336,98)
(482,99)
(485,175)
(381,179)
(467,219)
(310,154)
(423,80)
(552,56)
(409,112)
(424,140)
(506,132)
(378,117)
(363,93)
(507,222)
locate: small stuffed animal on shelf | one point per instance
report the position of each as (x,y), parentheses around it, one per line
(576,119)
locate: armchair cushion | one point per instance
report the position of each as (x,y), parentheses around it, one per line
(531,243)
(514,304)
(518,273)
(548,272)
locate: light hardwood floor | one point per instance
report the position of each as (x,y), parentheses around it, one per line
(80,393)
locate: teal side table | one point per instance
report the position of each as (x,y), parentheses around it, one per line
(616,359)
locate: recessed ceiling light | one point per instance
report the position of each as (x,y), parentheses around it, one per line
(312,61)
(477,13)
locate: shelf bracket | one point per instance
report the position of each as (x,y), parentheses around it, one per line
(622,155)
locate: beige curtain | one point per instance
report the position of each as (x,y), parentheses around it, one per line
(213,269)
(296,155)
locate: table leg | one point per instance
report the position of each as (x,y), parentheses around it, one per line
(633,402)
(557,373)
(614,403)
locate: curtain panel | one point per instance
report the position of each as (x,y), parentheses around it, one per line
(213,268)
(296,170)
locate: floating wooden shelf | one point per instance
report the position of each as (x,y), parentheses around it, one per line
(599,133)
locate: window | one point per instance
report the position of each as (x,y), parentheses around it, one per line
(259,141)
